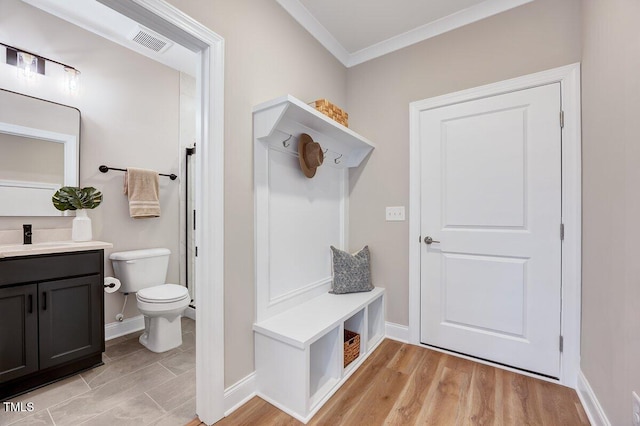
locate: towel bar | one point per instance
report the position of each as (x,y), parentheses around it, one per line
(105,169)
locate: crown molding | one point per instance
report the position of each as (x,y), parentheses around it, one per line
(448,23)
(316,29)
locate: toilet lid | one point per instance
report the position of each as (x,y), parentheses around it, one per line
(165,293)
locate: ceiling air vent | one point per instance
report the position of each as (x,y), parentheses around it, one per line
(150,40)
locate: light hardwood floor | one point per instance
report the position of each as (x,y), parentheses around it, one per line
(403,384)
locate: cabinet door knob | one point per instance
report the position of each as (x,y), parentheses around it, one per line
(31,303)
(44,300)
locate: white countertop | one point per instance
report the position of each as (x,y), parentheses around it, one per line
(13,250)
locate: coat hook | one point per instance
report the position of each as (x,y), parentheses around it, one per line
(337,160)
(284,142)
(324,151)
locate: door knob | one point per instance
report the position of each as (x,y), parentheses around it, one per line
(429,240)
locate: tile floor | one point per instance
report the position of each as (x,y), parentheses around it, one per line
(134,387)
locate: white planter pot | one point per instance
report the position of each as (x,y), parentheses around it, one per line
(81,228)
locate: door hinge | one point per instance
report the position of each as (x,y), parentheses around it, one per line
(561,343)
(562,231)
(196,251)
(562,119)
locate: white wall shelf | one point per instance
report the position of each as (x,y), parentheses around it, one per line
(300,352)
(276,120)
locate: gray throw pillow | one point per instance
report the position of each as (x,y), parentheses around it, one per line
(351,272)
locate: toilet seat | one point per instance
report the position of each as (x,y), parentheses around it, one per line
(166,293)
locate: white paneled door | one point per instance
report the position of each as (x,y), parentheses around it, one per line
(491,205)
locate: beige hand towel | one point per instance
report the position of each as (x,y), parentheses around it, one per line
(141,186)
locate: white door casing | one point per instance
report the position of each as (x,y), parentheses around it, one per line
(491,194)
(174,24)
(569,79)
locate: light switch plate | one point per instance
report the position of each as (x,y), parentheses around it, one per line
(395,214)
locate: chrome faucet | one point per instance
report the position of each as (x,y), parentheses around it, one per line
(26,234)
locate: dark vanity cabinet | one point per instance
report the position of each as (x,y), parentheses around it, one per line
(51,318)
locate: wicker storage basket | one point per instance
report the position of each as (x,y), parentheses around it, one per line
(332,111)
(351,346)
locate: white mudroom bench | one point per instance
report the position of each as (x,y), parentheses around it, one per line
(300,352)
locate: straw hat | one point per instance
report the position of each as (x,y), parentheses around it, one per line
(310,155)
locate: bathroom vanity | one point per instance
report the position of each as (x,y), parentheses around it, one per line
(52,307)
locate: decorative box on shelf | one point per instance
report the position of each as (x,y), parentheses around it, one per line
(332,111)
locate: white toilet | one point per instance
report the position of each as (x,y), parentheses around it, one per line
(144,272)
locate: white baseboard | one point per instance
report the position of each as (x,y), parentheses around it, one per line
(236,395)
(190,313)
(590,402)
(117,329)
(397,332)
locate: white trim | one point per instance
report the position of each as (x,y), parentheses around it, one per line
(434,28)
(396,332)
(69,142)
(316,29)
(590,403)
(324,283)
(29,185)
(569,79)
(238,394)
(174,24)
(190,313)
(127,326)
(448,23)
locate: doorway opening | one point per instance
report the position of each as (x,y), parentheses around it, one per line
(175,26)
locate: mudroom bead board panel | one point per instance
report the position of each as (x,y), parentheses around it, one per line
(298,218)
(280,122)
(306,216)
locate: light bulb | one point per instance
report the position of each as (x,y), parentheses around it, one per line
(27,65)
(72,80)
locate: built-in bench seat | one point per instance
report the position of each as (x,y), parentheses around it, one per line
(299,352)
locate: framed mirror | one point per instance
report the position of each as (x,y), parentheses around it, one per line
(40,152)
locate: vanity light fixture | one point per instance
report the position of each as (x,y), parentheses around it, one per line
(30,64)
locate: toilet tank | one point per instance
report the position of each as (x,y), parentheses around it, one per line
(138,269)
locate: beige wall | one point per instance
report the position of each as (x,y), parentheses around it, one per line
(535,37)
(267,54)
(611,204)
(126,121)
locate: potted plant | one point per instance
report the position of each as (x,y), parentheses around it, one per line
(80,200)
